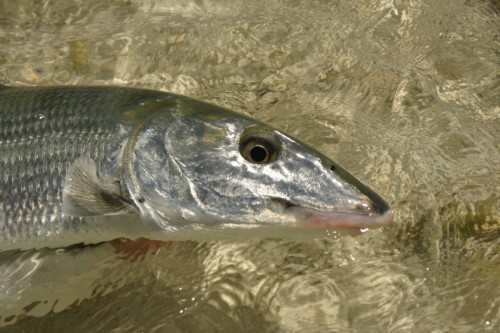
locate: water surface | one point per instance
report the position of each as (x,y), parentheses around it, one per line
(403,94)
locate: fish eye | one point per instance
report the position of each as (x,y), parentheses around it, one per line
(259,145)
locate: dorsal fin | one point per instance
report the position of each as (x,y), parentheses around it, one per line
(87,194)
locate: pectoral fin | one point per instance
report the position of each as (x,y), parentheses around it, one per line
(87,194)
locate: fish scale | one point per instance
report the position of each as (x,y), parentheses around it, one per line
(48,130)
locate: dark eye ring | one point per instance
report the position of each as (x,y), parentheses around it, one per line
(259,145)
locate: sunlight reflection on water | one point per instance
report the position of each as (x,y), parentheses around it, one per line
(402,94)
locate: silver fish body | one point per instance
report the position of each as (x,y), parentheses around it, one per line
(89,164)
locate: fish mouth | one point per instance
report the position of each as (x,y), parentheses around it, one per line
(372,216)
(316,219)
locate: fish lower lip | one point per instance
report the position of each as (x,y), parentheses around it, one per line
(312,218)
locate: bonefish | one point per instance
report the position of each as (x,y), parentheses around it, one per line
(90,164)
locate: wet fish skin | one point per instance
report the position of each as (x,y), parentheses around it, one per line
(89,164)
(42,132)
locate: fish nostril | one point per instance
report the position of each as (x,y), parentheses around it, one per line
(332,167)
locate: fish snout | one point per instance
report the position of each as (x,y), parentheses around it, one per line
(372,205)
(361,208)
(368,201)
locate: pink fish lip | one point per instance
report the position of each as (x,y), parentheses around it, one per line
(316,219)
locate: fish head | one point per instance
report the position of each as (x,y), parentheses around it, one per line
(208,166)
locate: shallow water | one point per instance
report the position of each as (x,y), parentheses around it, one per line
(404,94)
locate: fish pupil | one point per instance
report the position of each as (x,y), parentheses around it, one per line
(259,154)
(259,145)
